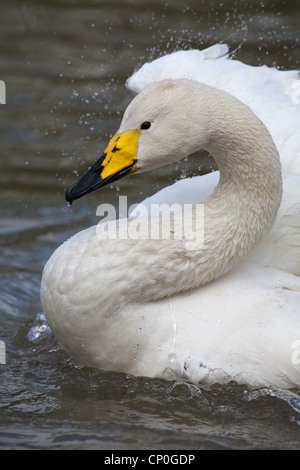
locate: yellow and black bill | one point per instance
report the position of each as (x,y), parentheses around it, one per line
(118,160)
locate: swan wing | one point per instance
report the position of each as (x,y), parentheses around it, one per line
(194,190)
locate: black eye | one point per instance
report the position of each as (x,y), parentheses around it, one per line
(145,125)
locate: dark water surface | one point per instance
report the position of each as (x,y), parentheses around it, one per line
(65,64)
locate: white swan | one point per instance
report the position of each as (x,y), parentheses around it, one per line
(149,306)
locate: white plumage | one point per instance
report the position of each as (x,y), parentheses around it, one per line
(140,307)
(269,93)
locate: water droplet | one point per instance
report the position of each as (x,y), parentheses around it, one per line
(39,330)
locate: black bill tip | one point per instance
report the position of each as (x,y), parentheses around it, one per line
(92,180)
(89,182)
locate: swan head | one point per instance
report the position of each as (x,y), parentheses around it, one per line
(163,123)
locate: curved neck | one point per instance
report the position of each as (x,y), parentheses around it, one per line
(243,206)
(241,209)
(246,201)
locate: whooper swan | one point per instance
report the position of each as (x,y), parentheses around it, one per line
(225,306)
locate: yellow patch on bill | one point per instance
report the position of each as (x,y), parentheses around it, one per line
(120,153)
